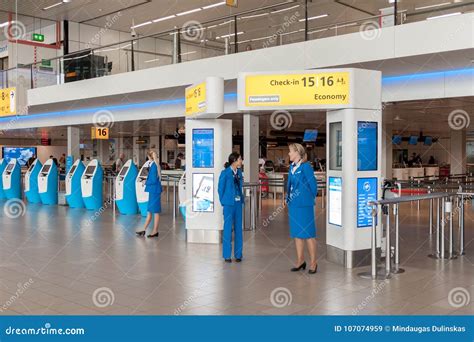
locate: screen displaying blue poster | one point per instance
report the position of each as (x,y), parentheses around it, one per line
(366,146)
(366,191)
(335,201)
(69,162)
(203,148)
(21,154)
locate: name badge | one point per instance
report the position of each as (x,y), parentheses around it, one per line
(237,198)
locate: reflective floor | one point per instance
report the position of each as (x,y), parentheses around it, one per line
(56,260)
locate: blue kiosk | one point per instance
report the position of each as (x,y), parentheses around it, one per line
(12,179)
(73,185)
(3,165)
(31,182)
(48,183)
(142,196)
(125,193)
(91,185)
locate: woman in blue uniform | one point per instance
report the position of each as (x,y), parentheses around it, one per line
(301,194)
(154,189)
(231,197)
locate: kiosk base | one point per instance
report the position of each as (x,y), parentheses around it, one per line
(203,236)
(349,259)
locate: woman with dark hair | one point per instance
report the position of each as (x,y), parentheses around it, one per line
(154,189)
(301,193)
(231,197)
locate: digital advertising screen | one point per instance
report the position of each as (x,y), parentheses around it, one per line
(367,146)
(22,154)
(413,140)
(46,169)
(428,141)
(366,191)
(335,201)
(397,139)
(203,192)
(310,135)
(203,148)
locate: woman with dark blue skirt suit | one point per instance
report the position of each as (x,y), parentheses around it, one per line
(154,189)
(301,194)
(231,198)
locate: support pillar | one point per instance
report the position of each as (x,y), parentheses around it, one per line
(457,153)
(387,146)
(251,147)
(73,142)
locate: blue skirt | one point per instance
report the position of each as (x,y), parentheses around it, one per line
(302,224)
(154,203)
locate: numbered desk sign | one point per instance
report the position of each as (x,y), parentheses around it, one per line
(100,133)
(7,101)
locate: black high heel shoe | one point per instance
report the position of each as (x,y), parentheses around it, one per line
(140,234)
(153,235)
(299,268)
(314,271)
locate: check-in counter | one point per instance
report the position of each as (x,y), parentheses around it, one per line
(279,178)
(432,172)
(400,174)
(416,172)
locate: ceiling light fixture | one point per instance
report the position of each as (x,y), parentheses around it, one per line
(189,12)
(284,9)
(164,18)
(444,15)
(213,5)
(432,6)
(315,17)
(52,6)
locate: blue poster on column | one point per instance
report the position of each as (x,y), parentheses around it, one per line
(203,148)
(366,146)
(366,191)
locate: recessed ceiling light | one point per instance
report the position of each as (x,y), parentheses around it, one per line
(189,12)
(444,15)
(432,6)
(315,17)
(53,5)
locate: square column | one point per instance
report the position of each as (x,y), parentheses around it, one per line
(73,142)
(457,153)
(251,147)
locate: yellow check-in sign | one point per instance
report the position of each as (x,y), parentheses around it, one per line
(196,99)
(101,133)
(305,89)
(8,101)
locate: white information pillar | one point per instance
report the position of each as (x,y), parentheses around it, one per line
(73,142)
(251,147)
(208,145)
(352,98)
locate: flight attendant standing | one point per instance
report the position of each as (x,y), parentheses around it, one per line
(231,198)
(154,189)
(301,194)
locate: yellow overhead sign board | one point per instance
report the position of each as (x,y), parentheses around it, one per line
(196,99)
(300,89)
(7,101)
(100,133)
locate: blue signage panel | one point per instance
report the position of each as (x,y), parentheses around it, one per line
(69,162)
(366,146)
(203,148)
(335,201)
(366,191)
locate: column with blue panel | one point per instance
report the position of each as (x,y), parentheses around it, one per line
(91,185)
(48,183)
(3,165)
(73,185)
(11,178)
(125,192)
(31,182)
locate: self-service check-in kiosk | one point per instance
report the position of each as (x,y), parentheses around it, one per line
(3,165)
(73,185)
(48,183)
(125,193)
(31,182)
(91,185)
(142,196)
(12,180)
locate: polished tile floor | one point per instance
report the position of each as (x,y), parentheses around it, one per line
(55,260)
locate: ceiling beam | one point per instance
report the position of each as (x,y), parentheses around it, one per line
(355,8)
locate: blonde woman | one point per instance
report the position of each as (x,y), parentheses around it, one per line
(154,189)
(301,194)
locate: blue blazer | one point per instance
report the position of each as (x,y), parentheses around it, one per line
(305,187)
(226,187)
(153,182)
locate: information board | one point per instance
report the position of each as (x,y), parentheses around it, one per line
(335,201)
(203,192)
(366,191)
(196,99)
(8,101)
(367,146)
(203,148)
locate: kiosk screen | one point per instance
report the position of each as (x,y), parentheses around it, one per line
(45,169)
(9,167)
(90,171)
(124,171)
(73,168)
(31,167)
(144,172)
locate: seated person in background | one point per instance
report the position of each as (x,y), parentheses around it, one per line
(178,161)
(431,161)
